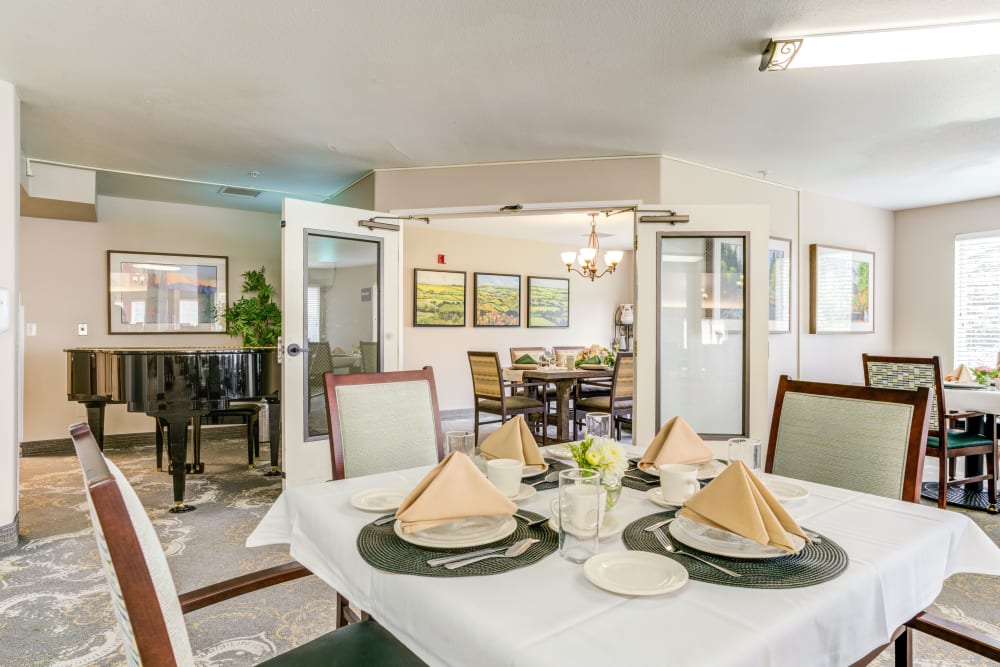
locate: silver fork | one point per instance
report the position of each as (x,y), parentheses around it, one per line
(515,550)
(667,543)
(551,477)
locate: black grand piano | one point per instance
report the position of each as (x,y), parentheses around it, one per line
(173,385)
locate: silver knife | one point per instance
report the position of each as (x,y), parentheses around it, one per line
(435,562)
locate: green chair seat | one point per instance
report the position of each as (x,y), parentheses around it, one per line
(513,403)
(958,439)
(366,643)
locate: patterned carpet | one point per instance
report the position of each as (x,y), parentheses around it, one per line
(53,595)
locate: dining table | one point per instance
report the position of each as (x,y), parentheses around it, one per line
(564,380)
(966,398)
(548,613)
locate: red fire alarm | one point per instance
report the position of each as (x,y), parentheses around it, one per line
(440,259)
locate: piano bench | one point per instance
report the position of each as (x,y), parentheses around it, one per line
(249,413)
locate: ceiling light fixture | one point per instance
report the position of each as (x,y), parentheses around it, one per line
(588,255)
(939,42)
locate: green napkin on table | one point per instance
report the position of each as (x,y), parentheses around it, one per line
(525,359)
(590,360)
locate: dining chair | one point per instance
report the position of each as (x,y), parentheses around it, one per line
(618,402)
(320,362)
(518,352)
(369,356)
(944,442)
(380,422)
(496,396)
(149,612)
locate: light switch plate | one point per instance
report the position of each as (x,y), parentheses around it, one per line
(30,329)
(81,329)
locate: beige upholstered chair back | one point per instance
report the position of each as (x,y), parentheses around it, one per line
(624,376)
(133,561)
(859,438)
(906,373)
(486,381)
(382,421)
(369,356)
(517,352)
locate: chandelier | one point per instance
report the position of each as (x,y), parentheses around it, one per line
(588,255)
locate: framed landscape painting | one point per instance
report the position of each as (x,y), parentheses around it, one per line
(438,298)
(497,300)
(779,285)
(842,286)
(548,302)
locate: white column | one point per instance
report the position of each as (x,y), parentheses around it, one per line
(10,159)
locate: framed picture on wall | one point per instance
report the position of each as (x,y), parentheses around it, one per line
(438,298)
(779,285)
(497,300)
(155,293)
(548,302)
(842,290)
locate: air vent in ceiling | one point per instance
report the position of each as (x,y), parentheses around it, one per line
(238,192)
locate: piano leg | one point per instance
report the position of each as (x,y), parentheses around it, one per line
(273,434)
(177,453)
(95,419)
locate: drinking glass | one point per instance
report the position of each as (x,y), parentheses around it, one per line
(461,441)
(599,424)
(747,450)
(580,509)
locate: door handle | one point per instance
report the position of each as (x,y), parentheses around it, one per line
(295,350)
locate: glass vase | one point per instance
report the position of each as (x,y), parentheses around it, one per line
(613,485)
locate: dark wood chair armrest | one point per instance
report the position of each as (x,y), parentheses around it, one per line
(956,414)
(959,635)
(245,583)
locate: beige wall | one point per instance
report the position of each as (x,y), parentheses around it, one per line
(925,272)
(591,310)
(827,221)
(348,318)
(359,195)
(64,282)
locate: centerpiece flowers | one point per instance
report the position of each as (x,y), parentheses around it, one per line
(607,457)
(984,374)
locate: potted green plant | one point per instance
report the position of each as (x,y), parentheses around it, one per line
(255,316)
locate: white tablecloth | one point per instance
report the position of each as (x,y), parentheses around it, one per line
(549,614)
(979,400)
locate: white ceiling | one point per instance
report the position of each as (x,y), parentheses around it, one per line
(314,93)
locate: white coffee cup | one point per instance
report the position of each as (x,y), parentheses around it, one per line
(584,509)
(505,475)
(678,481)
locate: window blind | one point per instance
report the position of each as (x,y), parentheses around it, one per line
(312,313)
(977,299)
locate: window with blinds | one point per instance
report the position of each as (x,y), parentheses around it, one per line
(312,313)
(977,299)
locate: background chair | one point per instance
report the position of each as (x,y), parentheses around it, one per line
(943,442)
(517,352)
(369,356)
(490,392)
(148,609)
(380,422)
(618,401)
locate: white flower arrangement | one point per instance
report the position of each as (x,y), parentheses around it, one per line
(604,455)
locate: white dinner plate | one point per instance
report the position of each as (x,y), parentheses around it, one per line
(559,452)
(534,471)
(635,573)
(610,526)
(786,492)
(723,543)
(470,532)
(379,500)
(524,492)
(656,495)
(708,470)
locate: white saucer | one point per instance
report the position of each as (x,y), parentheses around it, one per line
(524,492)
(559,452)
(610,526)
(656,495)
(534,471)
(708,470)
(635,573)
(471,532)
(786,492)
(379,500)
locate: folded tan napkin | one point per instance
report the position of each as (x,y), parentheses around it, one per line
(960,374)
(454,489)
(338,350)
(739,502)
(513,440)
(676,442)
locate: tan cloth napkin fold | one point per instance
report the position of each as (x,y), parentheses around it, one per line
(513,440)
(739,502)
(676,442)
(338,350)
(454,489)
(960,374)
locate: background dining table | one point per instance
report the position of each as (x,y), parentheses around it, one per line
(985,400)
(564,379)
(548,613)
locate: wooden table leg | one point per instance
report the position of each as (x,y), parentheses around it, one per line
(563,390)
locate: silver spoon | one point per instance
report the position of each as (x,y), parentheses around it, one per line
(667,542)
(513,551)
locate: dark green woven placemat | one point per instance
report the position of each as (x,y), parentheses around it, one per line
(553,466)
(815,564)
(381,548)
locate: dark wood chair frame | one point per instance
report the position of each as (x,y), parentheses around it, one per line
(902,639)
(505,386)
(618,414)
(331,382)
(946,457)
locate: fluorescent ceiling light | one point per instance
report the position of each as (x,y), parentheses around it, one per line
(883,46)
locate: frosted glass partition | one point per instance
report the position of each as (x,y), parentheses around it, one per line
(702,346)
